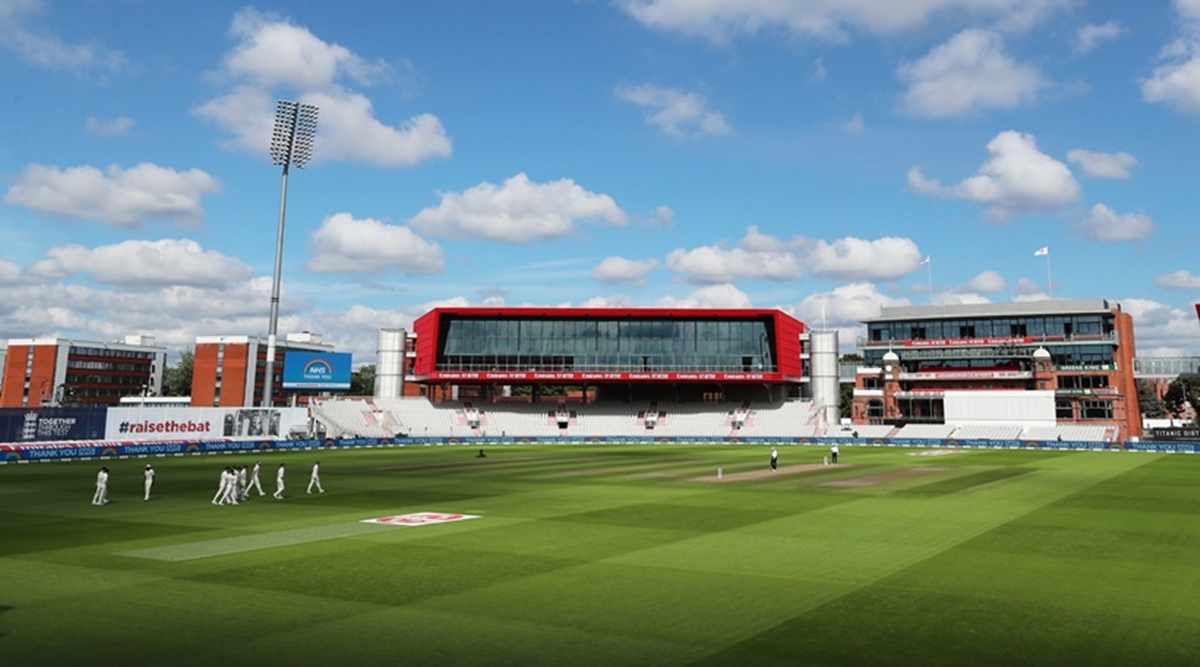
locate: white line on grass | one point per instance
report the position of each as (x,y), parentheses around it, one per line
(243,543)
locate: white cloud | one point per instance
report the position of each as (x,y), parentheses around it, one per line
(1092,35)
(1103,165)
(615,270)
(98,127)
(967,75)
(988,282)
(344,244)
(850,258)
(174,315)
(119,197)
(348,130)
(273,53)
(678,113)
(1103,224)
(1018,178)
(963,297)
(41,48)
(1178,280)
(845,306)
(716,264)
(855,125)
(661,216)
(518,211)
(144,264)
(824,19)
(612,301)
(10,273)
(765,257)
(1176,81)
(712,296)
(1161,326)
(1027,290)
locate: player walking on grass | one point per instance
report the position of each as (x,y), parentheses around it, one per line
(774,459)
(315,480)
(833,452)
(242,487)
(226,489)
(149,477)
(279,483)
(101,495)
(254,481)
(231,489)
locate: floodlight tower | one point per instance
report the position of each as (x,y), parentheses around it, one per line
(291,143)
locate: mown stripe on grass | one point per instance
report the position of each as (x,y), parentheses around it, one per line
(244,543)
(963,482)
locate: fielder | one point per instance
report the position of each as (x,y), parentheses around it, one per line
(254,481)
(315,480)
(231,487)
(279,483)
(774,459)
(101,495)
(149,476)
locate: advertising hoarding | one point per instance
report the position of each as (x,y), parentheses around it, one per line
(316,370)
(150,423)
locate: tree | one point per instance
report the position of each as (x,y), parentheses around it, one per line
(362,381)
(846,389)
(845,398)
(1151,405)
(1183,391)
(177,381)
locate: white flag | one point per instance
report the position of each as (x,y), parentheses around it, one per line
(925,261)
(1044,250)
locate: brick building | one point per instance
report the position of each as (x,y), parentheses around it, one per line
(57,371)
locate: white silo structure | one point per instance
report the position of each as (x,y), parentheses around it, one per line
(389,363)
(823,365)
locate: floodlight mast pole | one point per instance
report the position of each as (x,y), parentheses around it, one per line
(291,143)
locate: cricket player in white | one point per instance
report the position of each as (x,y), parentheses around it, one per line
(242,488)
(101,495)
(225,489)
(279,483)
(230,497)
(254,481)
(315,480)
(149,474)
(774,459)
(221,488)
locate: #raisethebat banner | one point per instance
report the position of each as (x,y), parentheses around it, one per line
(155,423)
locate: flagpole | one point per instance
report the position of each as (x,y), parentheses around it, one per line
(929,269)
(1049,280)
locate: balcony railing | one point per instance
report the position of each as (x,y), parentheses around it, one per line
(988,341)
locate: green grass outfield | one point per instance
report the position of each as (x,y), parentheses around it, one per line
(608,555)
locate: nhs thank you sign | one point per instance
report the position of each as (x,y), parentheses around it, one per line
(316,370)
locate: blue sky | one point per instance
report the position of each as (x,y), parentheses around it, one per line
(807,155)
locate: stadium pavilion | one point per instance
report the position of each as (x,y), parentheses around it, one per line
(616,354)
(1039,362)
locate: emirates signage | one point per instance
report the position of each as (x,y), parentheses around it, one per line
(966,375)
(948,342)
(592,376)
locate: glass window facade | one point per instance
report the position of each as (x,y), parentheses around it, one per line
(629,345)
(1068,338)
(1066,326)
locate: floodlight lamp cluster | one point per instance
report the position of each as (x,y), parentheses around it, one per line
(292,138)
